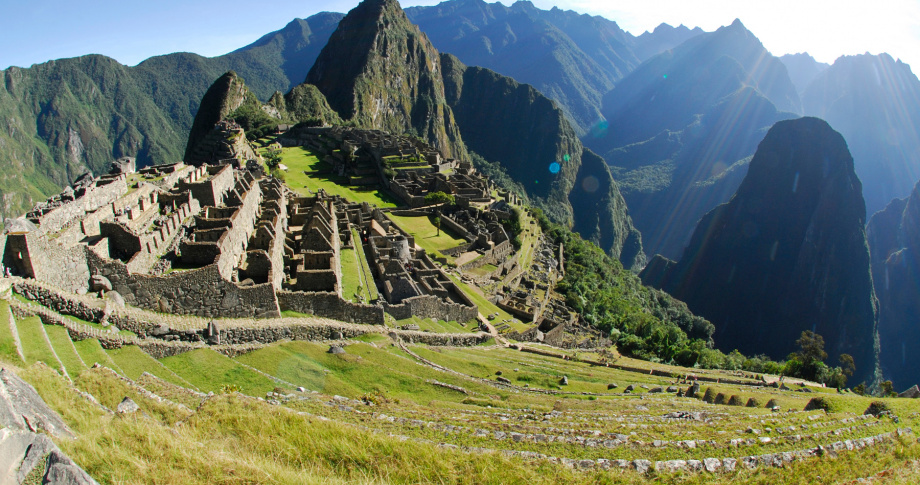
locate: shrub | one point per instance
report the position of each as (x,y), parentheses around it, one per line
(819,402)
(877,407)
(709,396)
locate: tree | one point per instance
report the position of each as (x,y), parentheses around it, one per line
(438,198)
(811,347)
(437,223)
(847,364)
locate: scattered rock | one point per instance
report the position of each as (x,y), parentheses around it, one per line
(673,389)
(336,349)
(498,373)
(656,389)
(630,388)
(301,389)
(912,393)
(503,380)
(611,386)
(100,283)
(127,406)
(564,381)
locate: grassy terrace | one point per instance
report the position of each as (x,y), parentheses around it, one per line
(486,307)
(324,439)
(7,342)
(365,276)
(305,172)
(437,326)
(427,236)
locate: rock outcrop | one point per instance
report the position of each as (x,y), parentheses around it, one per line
(226,95)
(894,239)
(25,444)
(788,253)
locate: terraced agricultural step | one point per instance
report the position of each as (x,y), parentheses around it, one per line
(35,344)
(10,344)
(93,353)
(179,394)
(65,350)
(211,371)
(110,388)
(134,362)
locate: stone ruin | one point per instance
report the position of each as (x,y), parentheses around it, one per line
(225,144)
(215,241)
(410,168)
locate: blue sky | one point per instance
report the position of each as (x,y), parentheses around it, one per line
(34,31)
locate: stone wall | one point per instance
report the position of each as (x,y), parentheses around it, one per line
(442,339)
(34,256)
(430,306)
(330,305)
(202,292)
(271,334)
(236,240)
(208,184)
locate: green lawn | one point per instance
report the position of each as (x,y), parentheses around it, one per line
(482,270)
(301,174)
(134,362)
(486,307)
(439,326)
(65,350)
(8,350)
(426,234)
(365,275)
(92,353)
(34,345)
(362,369)
(211,371)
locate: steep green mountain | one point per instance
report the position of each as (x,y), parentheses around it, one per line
(803,69)
(874,101)
(573,59)
(379,71)
(526,132)
(894,241)
(65,117)
(788,253)
(683,126)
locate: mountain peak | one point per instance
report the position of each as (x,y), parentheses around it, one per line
(381,71)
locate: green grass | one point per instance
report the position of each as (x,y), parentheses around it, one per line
(34,346)
(426,234)
(299,159)
(483,270)
(109,390)
(133,361)
(365,276)
(92,353)
(352,277)
(8,351)
(438,326)
(486,307)
(211,371)
(65,350)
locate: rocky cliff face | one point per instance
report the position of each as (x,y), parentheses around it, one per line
(788,253)
(529,135)
(894,238)
(380,71)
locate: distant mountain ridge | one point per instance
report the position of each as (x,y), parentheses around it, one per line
(572,58)
(683,125)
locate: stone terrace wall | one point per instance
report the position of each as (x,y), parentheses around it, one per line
(202,292)
(429,306)
(94,198)
(330,305)
(234,242)
(267,335)
(63,267)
